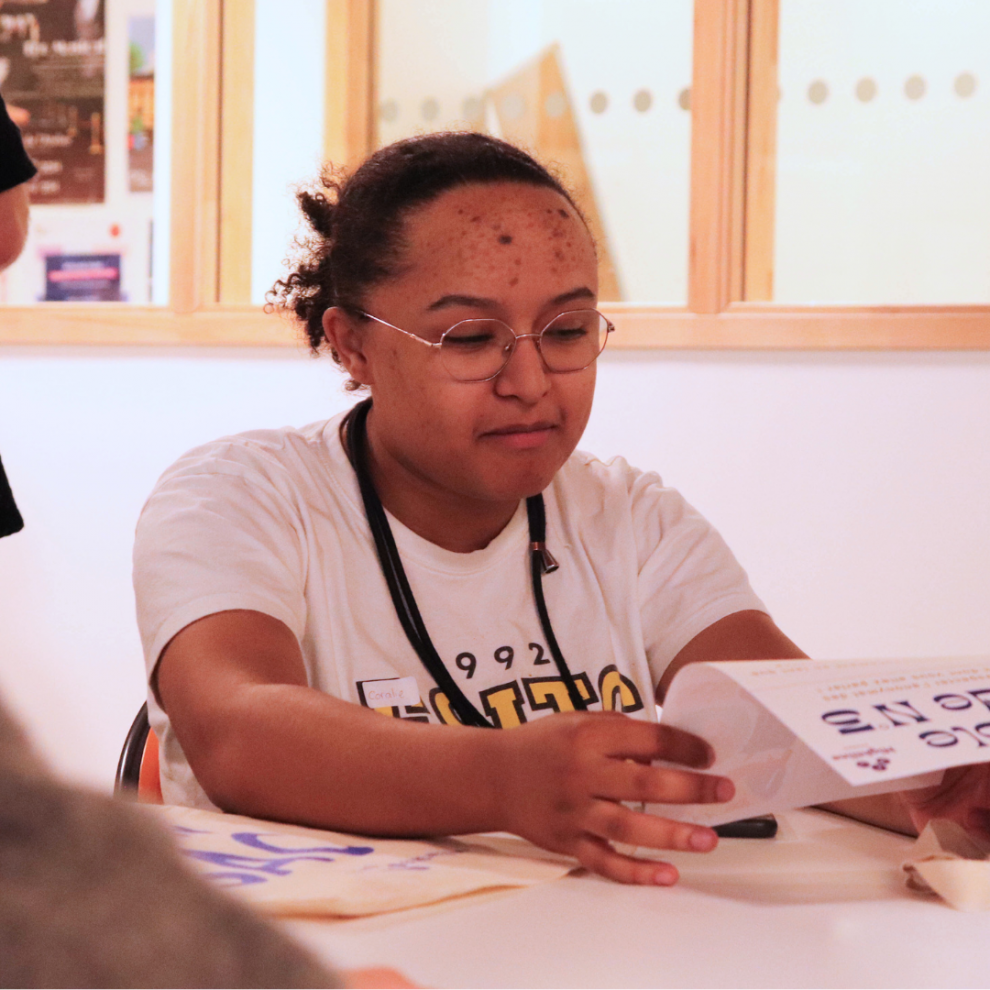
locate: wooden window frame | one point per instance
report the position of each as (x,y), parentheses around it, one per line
(730,269)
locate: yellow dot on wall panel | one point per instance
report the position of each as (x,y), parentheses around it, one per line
(965,84)
(389,110)
(866,89)
(514,106)
(598,102)
(684,98)
(430,109)
(643,100)
(914,88)
(555,104)
(472,108)
(818,91)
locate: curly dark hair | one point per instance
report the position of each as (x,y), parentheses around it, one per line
(355,220)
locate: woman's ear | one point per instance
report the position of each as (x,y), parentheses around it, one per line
(347,341)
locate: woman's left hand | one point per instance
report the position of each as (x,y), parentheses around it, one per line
(963,796)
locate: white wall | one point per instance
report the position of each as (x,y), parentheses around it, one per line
(853,487)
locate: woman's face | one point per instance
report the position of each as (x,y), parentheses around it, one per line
(515,252)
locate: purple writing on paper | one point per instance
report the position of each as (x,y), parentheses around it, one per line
(241,870)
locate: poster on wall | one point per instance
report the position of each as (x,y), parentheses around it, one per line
(141,103)
(52,77)
(82,278)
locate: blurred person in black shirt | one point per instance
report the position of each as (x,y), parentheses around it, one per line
(15,171)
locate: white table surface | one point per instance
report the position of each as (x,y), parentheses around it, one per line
(822,905)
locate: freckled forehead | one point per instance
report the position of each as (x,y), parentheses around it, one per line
(504,214)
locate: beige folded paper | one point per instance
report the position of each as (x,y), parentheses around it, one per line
(292,870)
(947,861)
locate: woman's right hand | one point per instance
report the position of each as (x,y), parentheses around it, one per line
(262,743)
(559,782)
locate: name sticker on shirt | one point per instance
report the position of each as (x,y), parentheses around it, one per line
(389,692)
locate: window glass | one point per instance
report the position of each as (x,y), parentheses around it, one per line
(82,79)
(883,148)
(289,61)
(599,87)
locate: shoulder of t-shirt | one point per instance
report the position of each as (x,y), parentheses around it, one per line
(620,490)
(610,477)
(271,454)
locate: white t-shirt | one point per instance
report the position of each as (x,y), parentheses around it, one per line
(273,521)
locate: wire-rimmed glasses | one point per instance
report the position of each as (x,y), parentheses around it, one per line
(478,350)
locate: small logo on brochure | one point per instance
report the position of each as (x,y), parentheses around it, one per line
(871,758)
(389,692)
(880,764)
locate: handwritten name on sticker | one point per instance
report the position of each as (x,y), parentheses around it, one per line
(389,692)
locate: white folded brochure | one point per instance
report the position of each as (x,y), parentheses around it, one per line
(791,733)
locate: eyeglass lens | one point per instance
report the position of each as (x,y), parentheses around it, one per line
(476,350)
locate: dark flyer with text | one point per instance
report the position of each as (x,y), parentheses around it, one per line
(53,80)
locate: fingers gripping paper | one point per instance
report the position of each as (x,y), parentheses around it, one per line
(291,870)
(791,733)
(949,862)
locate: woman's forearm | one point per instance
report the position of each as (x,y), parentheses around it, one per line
(263,743)
(293,753)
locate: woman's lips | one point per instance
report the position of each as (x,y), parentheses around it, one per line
(521,436)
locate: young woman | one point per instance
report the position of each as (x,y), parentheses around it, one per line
(334,618)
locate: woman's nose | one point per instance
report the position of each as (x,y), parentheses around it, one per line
(524,375)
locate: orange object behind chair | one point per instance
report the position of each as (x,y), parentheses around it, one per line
(150,782)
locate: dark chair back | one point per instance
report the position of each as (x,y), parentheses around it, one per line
(129,765)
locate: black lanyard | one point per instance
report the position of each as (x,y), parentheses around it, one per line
(540,559)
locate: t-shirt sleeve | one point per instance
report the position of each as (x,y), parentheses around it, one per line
(15,166)
(688,577)
(217,534)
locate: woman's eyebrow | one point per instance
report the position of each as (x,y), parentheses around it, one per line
(478,302)
(582,293)
(481,302)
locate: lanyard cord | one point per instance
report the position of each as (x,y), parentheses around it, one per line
(402,597)
(541,562)
(395,575)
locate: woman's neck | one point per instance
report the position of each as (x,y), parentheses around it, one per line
(450,520)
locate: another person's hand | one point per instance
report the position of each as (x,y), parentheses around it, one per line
(19,115)
(963,797)
(377,978)
(562,780)
(14,206)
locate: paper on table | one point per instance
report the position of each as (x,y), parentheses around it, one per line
(793,733)
(292,870)
(951,863)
